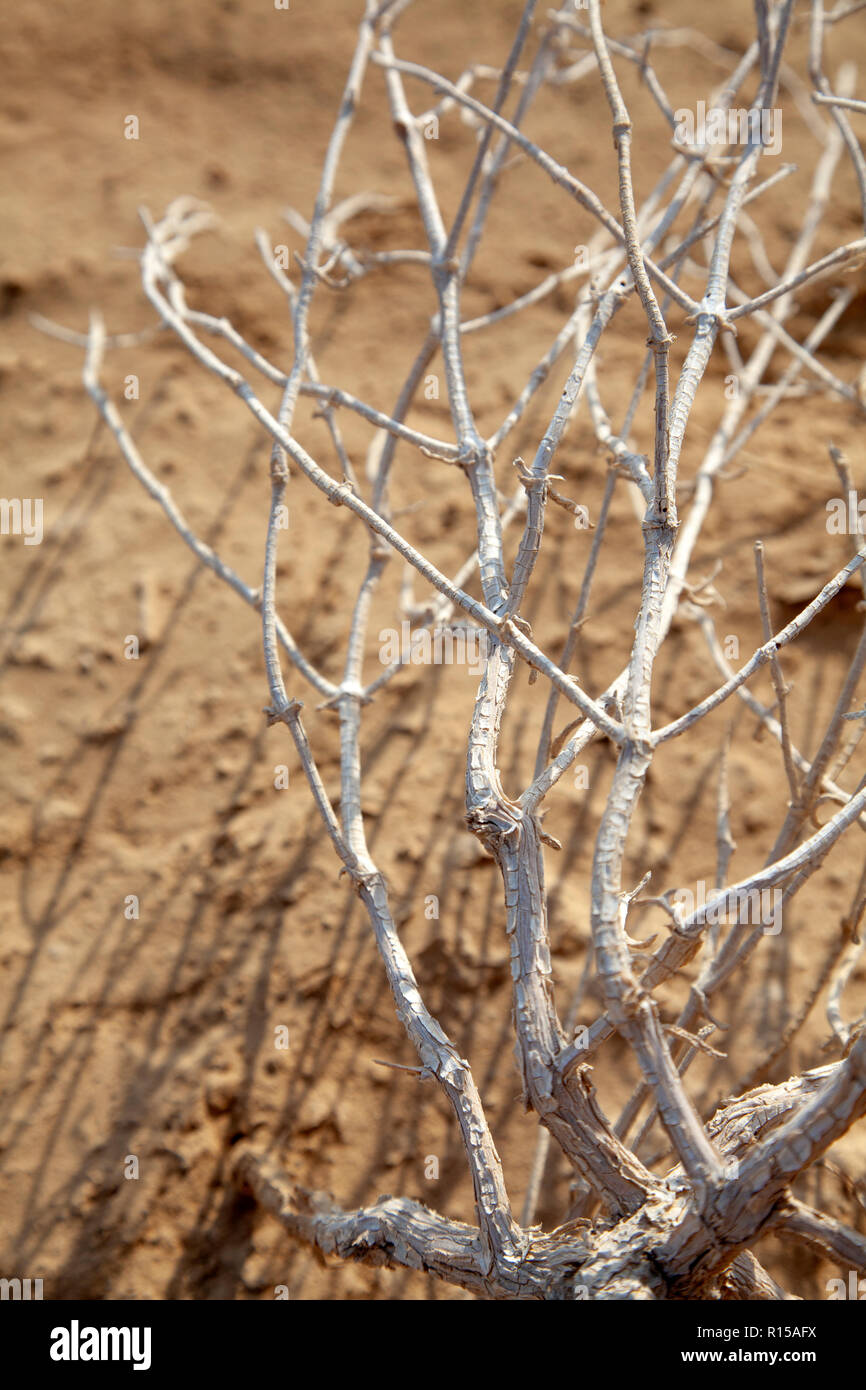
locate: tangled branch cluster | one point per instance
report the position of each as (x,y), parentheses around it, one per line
(686,1232)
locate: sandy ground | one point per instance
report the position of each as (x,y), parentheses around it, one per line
(154,1037)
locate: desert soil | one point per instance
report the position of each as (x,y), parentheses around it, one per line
(153,1037)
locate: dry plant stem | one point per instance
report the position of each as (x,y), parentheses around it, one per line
(746,1203)
(539,375)
(685,939)
(843,472)
(597,18)
(348,104)
(804,807)
(724,838)
(537,487)
(503,89)
(820,82)
(738,947)
(394,1231)
(634,1015)
(332,395)
(704,352)
(781,690)
(380,459)
(655,318)
(637,52)
(685,1234)
(535,481)
(301,308)
(713,462)
(609,267)
(279,464)
(630,1012)
(557,172)
(469,439)
(544,742)
(717,453)
(340,495)
(153,269)
(500,1240)
(473,450)
(736,1127)
(665,1248)
(490,530)
(490,1198)
(542,290)
(641,60)
(353,669)
(162,495)
(441,609)
(112,340)
(565,1106)
(827,321)
(766,1172)
(635,465)
(844,255)
(539,70)
(488,186)
(762,656)
(710,224)
(843,12)
(827,1237)
(716,972)
(828,786)
(810,362)
(792,1028)
(725,849)
(848,103)
(500,823)
(424,356)
(621,1184)
(853,952)
(502,1243)
(607,305)
(279,478)
(746,1280)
